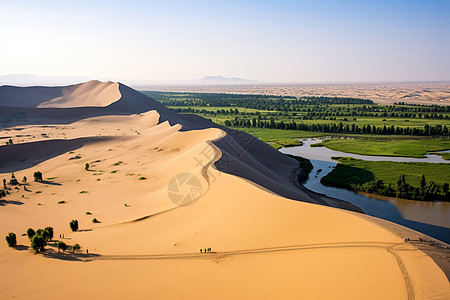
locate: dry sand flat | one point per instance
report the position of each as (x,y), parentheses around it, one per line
(264,246)
(383,93)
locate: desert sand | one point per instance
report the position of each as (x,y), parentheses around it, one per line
(268,238)
(427,93)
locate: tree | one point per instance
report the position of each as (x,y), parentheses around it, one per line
(37,243)
(422,182)
(4,182)
(37,176)
(61,245)
(75,247)
(86,166)
(2,194)
(30,233)
(24,180)
(74,225)
(50,232)
(11,239)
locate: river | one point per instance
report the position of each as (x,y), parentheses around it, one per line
(431,218)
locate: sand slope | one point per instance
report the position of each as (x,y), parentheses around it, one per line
(264,246)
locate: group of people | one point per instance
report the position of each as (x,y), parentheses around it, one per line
(408,240)
(205,250)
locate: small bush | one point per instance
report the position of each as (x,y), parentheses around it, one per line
(37,243)
(76,247)
(94,220)
(142,178)
(61,245)
(50,232)
(38,192)
(88,213)
(74,225)
(61,202)
(2,193)
(83,192)
(11,239)
(37,176)
(112,172)
(86,167)
(30,233)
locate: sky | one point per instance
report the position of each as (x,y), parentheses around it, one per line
(266,41)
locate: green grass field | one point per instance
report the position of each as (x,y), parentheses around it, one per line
(389,146)
(390,171)
(361,175)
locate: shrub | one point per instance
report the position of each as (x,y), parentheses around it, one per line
(11,239)
(88,213)
(37,243)
(61,245)
(94,220)
(50,232)
(142,178)
(30,233)
(2,193)
(74,225)
(83,192)
(76,247)
(24,180)
(37,176)
(86,166)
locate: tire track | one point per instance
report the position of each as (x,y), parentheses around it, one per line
(406,278)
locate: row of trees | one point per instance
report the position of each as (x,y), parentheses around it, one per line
(427,130)
(40,238)
(426,191)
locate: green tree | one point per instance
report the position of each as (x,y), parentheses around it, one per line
(61,245)
(37,176)
(11,239)
(86,166)
(75,247)
(24,180)
(30,233)
(74,225)
(2,194)
(50,232)
(37,243)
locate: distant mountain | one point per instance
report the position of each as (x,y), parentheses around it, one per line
(223,80)
(34,80)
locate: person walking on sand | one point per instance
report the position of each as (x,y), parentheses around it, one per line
(87,251)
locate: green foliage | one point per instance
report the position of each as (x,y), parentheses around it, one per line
(61,202)
(416,181)
(86,166)
(37,243)
(11,239)
(50,232)
(74,225)
(37,176)
(142,178)
(94,220)
(83,192)
(61,246)
(30,233)
(76,247)
(388,147)
(24,179)
(88,213)
(2,193)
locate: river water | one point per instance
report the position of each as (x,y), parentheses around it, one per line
(431,218)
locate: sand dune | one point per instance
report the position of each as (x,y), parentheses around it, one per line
(264,244)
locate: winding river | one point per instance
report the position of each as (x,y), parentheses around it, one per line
(431,218)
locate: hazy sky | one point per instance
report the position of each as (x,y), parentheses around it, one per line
(271,41)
